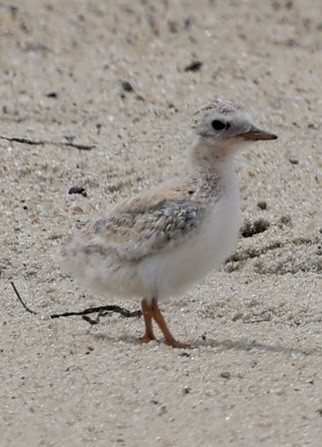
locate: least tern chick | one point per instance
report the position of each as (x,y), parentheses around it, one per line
(160,241)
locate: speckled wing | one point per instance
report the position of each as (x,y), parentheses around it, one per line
(148,223)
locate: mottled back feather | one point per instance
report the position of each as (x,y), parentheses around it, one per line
(148,223)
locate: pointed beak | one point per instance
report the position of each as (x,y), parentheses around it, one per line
(255,134)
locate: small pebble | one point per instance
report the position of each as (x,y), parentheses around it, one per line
(194,66)
(312,126)
(262,204)
(225,375)
(98,128)
(127,87)
(77,190)
(52,95)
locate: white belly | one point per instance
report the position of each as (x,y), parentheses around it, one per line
(170,272)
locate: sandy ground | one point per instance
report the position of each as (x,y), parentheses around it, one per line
(254,376)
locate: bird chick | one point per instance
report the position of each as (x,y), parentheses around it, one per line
(158,242)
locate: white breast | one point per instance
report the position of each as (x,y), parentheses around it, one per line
(168,273)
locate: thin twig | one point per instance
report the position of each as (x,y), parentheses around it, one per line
(82,147)
(95,320)
(90,320)
(21,300)
(100,310)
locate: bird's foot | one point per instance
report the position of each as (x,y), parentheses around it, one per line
(146,338)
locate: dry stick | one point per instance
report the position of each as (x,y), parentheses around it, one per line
(21,300)
(82,147)
(101,309)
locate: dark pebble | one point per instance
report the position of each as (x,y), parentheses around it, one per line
(77,190)
(262,204)
(52,95)
(311,126)
(187,22)
(184,354)
(293,161)
(98,128)
(127,87)
(194,66)
(225,375)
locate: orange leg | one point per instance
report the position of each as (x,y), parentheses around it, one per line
(147,315)
(153,311)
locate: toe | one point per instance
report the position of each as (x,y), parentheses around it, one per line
(146,338)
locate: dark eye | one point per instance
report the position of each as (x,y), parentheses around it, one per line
(218,125)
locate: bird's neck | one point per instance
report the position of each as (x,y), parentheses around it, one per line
(217,161)
(216,173)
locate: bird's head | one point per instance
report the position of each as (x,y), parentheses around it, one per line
(221,128)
